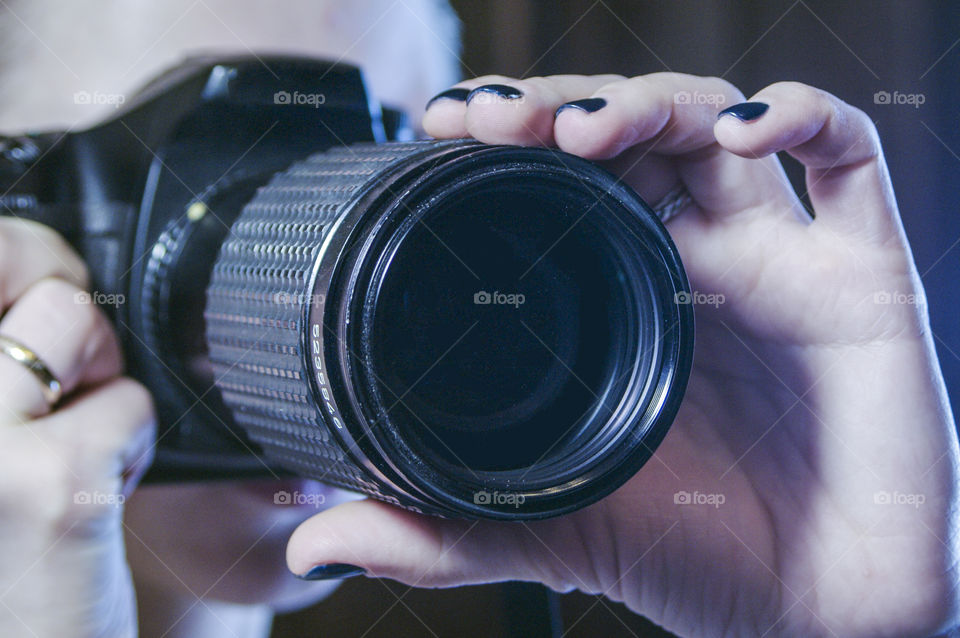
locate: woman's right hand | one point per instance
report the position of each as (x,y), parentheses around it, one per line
(65,470)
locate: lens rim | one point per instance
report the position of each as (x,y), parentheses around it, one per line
(383,450)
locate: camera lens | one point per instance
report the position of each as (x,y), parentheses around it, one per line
(462,329)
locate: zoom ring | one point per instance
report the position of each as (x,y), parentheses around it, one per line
(255,308)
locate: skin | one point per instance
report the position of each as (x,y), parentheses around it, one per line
(810,398)
(807,400)
(55,545)
(207,560)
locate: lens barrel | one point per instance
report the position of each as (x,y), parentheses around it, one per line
(460,329)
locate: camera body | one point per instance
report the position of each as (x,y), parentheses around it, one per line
(210,130)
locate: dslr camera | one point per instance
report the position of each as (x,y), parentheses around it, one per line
(456,328)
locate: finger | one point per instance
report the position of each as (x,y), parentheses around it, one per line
(115,427)
(422,550)
(446,112)
(847,177)
(71,336)
(501,110)
(676,109)
(30,252)
(445,116)
(672,115)
(89,444)
(428,551)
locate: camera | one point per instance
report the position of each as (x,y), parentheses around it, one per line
(456,328)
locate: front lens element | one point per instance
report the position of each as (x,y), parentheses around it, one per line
(501,326)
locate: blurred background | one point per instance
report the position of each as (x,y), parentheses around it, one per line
(897,61)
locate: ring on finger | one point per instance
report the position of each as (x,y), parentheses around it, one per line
(671,203)
(50,386)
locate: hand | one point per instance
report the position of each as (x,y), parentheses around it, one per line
(62,485)
(815,440)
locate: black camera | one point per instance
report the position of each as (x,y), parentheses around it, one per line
(457,328)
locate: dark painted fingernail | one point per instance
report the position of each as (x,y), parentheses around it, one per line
(500,90)
(587,105)
(745,111)
(459,95)
(332,571)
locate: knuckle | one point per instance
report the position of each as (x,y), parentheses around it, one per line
(641,82)
(812,99)
(802,96)
(859,118)
(129,430)
(792,87)
(54,241)
(539,85)
(666,76)
(137,402)
(841,117)
(682,81)
(642,86)
(492,79)
(129,426)
(19,232)
(139,397)
(49,251)
(726,88)
(45,234)
(63,305)
(612,85)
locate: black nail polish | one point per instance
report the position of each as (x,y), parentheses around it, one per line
(587,105)
(459,95)
(332,571)
(745,111)
(499,90)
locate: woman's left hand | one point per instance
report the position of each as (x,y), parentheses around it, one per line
(809,483)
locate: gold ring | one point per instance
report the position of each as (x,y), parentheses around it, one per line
(51,388)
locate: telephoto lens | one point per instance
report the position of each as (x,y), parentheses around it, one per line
(460,329)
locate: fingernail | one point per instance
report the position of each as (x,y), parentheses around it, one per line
(500,90)
(587,105)
(332,571)
(459,95)
(745,111)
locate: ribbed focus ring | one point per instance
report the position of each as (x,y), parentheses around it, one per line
(255,307)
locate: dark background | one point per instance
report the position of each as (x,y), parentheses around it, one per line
(852,49)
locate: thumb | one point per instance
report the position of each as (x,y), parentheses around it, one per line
(421,550)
